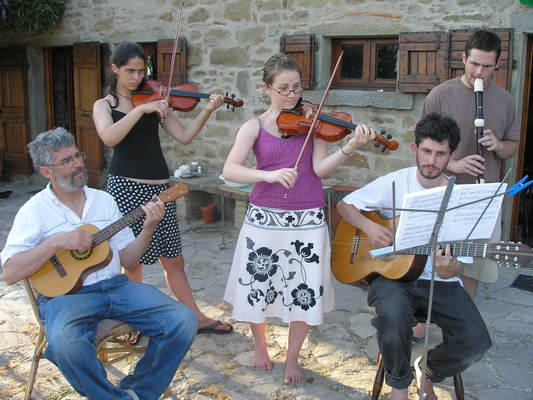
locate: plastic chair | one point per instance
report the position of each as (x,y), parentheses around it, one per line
(108,349)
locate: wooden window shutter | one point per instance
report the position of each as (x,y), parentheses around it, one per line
(423,61)
(502,76)
(164,57)
(302,49)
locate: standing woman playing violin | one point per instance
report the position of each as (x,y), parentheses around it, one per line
(281,265)
(138,169)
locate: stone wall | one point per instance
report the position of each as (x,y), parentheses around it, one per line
(228,41)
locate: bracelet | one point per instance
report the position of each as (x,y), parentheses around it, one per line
(347,154)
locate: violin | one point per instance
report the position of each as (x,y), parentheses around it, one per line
(330,127)
(181,98)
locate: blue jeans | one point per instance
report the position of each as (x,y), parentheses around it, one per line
(70,323)
(465,336)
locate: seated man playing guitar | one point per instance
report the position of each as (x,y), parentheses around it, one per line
(465,335)
(50,223)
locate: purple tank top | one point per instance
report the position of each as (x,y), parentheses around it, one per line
(273,153)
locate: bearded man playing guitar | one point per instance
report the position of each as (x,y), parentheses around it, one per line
(465,335)
(49,223)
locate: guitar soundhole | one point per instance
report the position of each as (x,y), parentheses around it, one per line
(80,256)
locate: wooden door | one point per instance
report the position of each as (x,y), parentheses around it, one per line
(87,89)
(13,111)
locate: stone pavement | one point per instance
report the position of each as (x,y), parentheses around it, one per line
(338,356)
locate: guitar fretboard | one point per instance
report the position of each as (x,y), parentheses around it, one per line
(107,232)
(458,250)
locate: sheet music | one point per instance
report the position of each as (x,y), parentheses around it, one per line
(415,228)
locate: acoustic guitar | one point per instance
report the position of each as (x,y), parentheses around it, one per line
(66,270)
(352,263)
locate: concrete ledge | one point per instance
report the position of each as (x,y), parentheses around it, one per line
(363,98)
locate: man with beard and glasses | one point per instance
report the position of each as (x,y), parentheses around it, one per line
(49,222)
(465,335)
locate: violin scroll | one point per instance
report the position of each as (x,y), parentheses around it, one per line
(385,142)
(233,102)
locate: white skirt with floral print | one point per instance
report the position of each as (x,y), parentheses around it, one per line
(281,267)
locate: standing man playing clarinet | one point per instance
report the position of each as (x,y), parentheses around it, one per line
(499,140)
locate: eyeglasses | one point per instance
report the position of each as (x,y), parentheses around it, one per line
(286,92)
(69,161)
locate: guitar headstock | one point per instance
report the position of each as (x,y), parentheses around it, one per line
(174,192)
(509,253)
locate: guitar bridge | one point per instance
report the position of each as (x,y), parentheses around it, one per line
(355,246)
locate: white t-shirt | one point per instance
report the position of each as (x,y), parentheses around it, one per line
(44,215)
(378,193)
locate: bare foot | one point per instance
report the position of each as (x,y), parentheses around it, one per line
(261,359)
(293,372)
(419,332)
(399,394)
(428,387)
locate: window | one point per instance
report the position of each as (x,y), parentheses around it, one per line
(369,63)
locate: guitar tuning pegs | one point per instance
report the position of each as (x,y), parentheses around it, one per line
(389,136)
(382,131)
(376,144)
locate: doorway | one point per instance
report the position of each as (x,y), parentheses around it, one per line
(73,81)
(60,101)
(522,217)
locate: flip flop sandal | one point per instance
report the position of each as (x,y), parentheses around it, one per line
(212,328)
(5,194)
(129,338)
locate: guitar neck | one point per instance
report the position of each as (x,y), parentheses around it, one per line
(107,232)
(458,250)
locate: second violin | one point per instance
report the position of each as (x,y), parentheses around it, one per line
(330,127)
(181,98)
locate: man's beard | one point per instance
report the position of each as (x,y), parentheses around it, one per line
(434,175)
(70,183)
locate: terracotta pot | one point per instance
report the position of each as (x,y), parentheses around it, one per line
(209,212)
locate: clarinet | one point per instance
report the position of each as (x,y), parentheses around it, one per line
(479,122)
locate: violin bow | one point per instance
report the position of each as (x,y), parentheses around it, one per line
(322,102)
(174,49)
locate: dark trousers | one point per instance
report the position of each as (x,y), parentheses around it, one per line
(465,336)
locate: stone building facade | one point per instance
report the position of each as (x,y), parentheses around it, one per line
(228,42)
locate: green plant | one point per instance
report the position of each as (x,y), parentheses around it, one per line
(26,18)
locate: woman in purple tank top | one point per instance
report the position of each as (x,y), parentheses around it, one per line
(281,265)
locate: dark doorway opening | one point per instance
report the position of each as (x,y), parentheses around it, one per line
(61,101)
(522,221)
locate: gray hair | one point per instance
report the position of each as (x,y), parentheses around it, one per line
(47,143)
